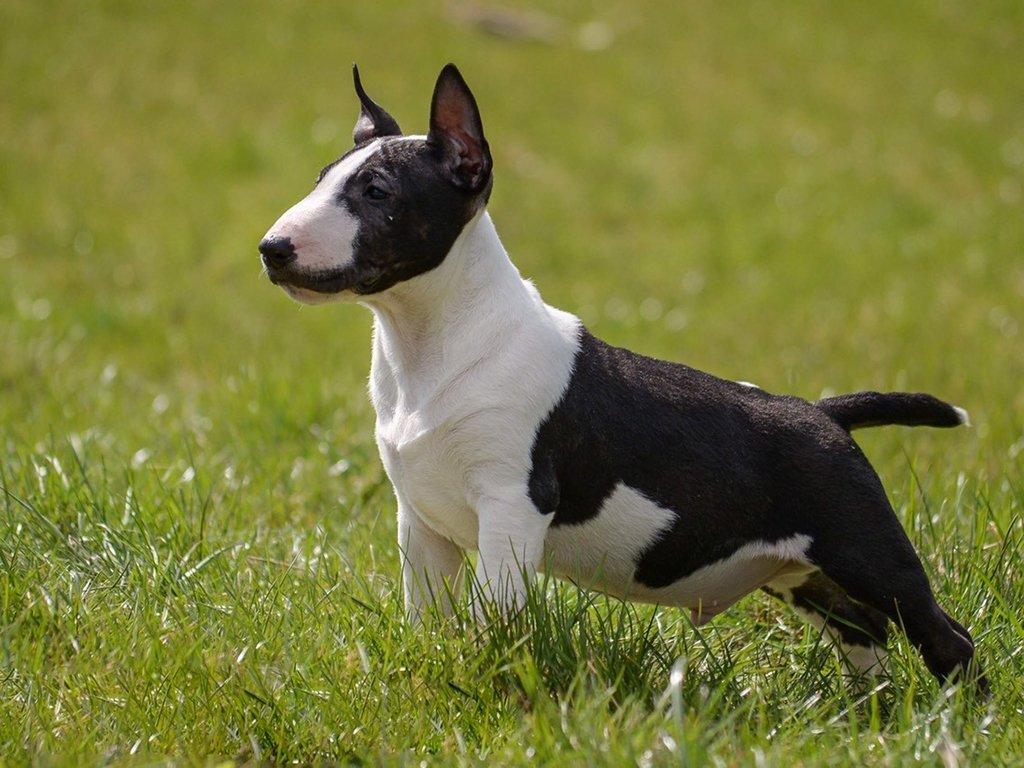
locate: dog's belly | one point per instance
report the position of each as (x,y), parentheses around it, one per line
(603,553)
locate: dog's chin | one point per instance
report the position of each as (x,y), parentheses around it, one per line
(314,288)
(345,285)
(309,296)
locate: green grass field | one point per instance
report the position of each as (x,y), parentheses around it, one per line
(196,535)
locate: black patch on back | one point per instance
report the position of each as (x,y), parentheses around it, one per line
(733,463)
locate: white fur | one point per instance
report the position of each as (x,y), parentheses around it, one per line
(463,357)
(711,589)
(602,552)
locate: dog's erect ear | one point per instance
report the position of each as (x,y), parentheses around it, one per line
(457,133)
(373,121)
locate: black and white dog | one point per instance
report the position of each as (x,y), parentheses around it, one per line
(507,428)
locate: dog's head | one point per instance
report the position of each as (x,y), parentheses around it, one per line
(390,208)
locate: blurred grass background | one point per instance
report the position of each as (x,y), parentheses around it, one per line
(811,197)
(814,197)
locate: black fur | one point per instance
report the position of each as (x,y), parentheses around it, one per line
(854,623)
(457,133)
(413,228)
(735,465)
(374,121)
(873,409)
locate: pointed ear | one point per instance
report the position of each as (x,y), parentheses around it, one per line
(373,121)
(457,133)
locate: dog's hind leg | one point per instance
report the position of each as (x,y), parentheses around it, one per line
(876,565)
(857,630)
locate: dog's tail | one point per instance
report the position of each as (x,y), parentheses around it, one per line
(876,409)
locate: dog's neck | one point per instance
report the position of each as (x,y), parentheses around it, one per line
(438,323)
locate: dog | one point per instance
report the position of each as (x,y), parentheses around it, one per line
(507,428)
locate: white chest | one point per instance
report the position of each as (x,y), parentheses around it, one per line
(424,465)
(458,406)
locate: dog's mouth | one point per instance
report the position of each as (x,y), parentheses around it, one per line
(353,278)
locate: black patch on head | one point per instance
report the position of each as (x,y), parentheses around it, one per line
(411,198)
(734,464)
(409,215)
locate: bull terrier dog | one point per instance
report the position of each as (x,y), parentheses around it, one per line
(508,429)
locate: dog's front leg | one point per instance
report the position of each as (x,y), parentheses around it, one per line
(511,548)
(431,566)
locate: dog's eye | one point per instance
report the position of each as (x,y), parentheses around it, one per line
(375,192)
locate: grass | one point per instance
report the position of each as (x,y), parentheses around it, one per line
(196,557)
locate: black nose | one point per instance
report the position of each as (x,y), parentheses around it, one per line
(277,252)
